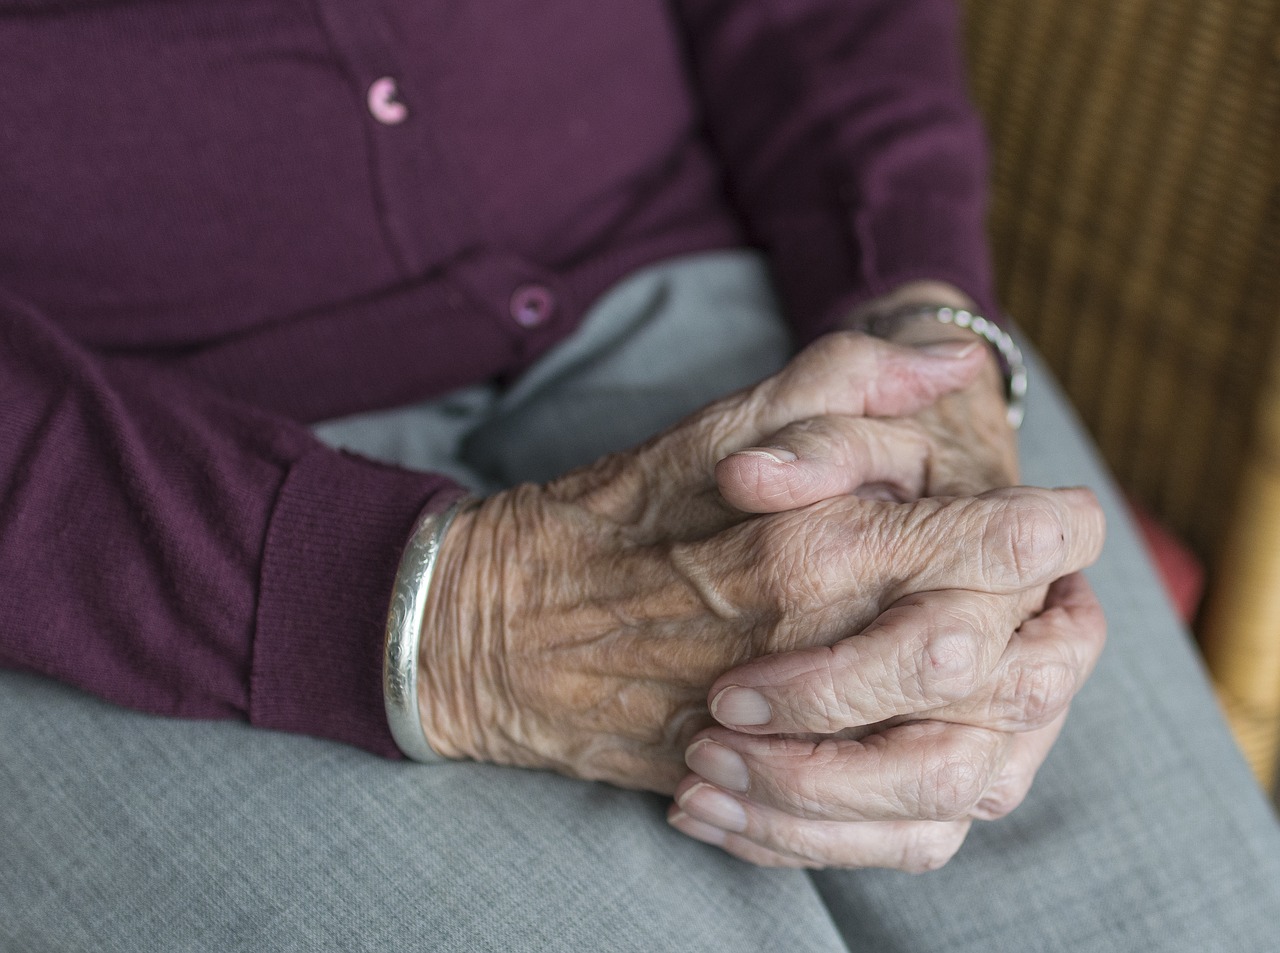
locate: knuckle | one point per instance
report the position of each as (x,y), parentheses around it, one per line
(1005,797)
(947,666)
(960,773)
(955,785)
(929,848)
(841,349)
(805,841)
(1026,540)
(844,346)
(854,362)
(1093,625)
(806,790)
(1039,689)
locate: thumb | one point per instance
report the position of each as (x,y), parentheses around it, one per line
(861,376)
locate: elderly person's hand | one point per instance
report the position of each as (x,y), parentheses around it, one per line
(959,445)
(940,712)
(578,626)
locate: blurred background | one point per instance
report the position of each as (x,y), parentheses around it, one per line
(1136,225)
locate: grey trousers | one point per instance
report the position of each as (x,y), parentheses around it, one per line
(120,831)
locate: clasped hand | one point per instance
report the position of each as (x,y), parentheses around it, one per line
(884,663)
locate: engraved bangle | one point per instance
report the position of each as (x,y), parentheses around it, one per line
(1008,354)
(404,633)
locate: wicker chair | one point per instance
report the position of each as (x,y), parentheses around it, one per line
(1136,222)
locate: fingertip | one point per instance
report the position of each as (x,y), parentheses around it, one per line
(761,480)
(1082,496)
(692,827)
(739,707)
(716,762)
(1087,505)
(738,477)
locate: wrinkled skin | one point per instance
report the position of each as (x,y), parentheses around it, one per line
(588,622)
(939,713)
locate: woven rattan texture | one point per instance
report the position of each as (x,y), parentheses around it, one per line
(1136,224)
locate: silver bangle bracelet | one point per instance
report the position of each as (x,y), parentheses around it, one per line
(1008,354)
(404,633)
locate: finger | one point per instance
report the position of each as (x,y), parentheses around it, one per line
(825,457)
(944,655)
(813,576)
(841,374)
(1043,667)
(731,843)
(917,771)
(923,653)
(768,837)
(1004,541)
(855,374)
(1026,753)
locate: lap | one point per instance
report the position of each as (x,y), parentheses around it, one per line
(129,832)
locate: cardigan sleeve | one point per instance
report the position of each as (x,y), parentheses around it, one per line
(168,549)
(851,150)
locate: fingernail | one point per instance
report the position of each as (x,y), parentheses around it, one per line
(720,765)
(704,803)
(953,349)
(740,706)
(773,454)
(698,830)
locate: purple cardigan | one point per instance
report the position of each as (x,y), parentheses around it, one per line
(223,219)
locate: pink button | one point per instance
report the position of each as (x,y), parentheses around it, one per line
(383,104)
(532,305)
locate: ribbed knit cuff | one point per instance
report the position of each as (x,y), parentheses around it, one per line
(900,241)
(919,237)
(336,534)
(826,265)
